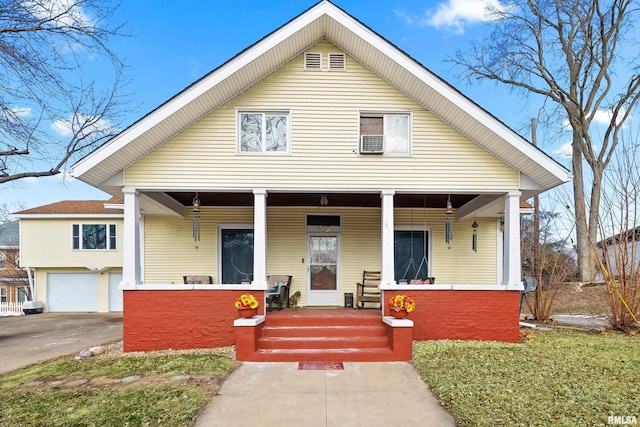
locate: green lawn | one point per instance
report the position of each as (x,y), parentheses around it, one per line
(39,395)
(562,378)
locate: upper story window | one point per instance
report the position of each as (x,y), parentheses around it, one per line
(385,133)
(3,260)
(263,131)
(94,236)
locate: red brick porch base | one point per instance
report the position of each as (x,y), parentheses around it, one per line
(180,319)
(484,315)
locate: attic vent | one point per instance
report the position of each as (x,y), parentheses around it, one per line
(337,62)
(312,61)
(372,144)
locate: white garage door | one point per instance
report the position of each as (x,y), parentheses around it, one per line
(115,294)
(72,292)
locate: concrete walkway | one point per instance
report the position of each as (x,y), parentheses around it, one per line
(363,394)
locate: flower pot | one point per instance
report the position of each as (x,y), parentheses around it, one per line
(247,313)
(398,313)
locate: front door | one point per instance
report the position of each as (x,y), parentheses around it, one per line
(323,268)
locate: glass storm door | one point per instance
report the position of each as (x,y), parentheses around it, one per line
(323,253)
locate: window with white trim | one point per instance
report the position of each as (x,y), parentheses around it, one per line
(3,259)
(3,294)
(94,236)
(412,253)
(263,132)
(385,133)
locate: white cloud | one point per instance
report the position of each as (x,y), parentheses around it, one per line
(454,15)
(565,151)
(61,12)
(82,123)
(604,116)
(17,112)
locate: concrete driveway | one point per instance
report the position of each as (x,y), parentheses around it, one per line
(25,340)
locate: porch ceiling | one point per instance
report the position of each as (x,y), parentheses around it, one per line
(313,199)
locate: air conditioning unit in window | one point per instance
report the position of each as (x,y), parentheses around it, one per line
(372,144)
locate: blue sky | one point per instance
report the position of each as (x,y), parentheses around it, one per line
(174,43)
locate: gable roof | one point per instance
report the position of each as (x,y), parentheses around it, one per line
(74,208)
(322,21)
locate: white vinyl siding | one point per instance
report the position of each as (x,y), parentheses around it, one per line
(325,109)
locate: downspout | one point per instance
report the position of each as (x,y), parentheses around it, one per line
(31,287)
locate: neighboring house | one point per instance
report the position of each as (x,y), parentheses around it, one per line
(75,247)
(14,281)
(620,253)
(319,152)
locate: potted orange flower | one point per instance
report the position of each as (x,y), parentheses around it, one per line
(247,305)
(400,306)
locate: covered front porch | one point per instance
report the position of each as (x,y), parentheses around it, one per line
(324,240)
(239,238)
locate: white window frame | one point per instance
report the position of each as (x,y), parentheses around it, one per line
(109,237)
(384,114)
(421,228)
(3,293)
(264,112)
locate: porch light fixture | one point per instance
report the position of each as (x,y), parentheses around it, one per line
(448,225)
(196,218)
(324,200)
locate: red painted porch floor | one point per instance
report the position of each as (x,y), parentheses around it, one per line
(324,335)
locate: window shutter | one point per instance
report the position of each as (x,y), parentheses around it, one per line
(337,62)
(312,61)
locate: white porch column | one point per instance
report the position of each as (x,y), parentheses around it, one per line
(131,254)
(388,267)
(512,263)
(260,236)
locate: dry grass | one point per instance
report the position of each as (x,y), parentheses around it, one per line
(576,299)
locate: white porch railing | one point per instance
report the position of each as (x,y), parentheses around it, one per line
(11,307)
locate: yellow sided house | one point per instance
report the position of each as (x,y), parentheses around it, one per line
(75,247)
(321,152)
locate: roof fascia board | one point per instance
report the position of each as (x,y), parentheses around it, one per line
(199,88)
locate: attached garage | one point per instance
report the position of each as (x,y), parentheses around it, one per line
(72,292)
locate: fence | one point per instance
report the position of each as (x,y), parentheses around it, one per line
(11,307)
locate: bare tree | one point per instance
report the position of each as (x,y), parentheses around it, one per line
(619,248)
(53,109)
(574,53)
(547,258)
